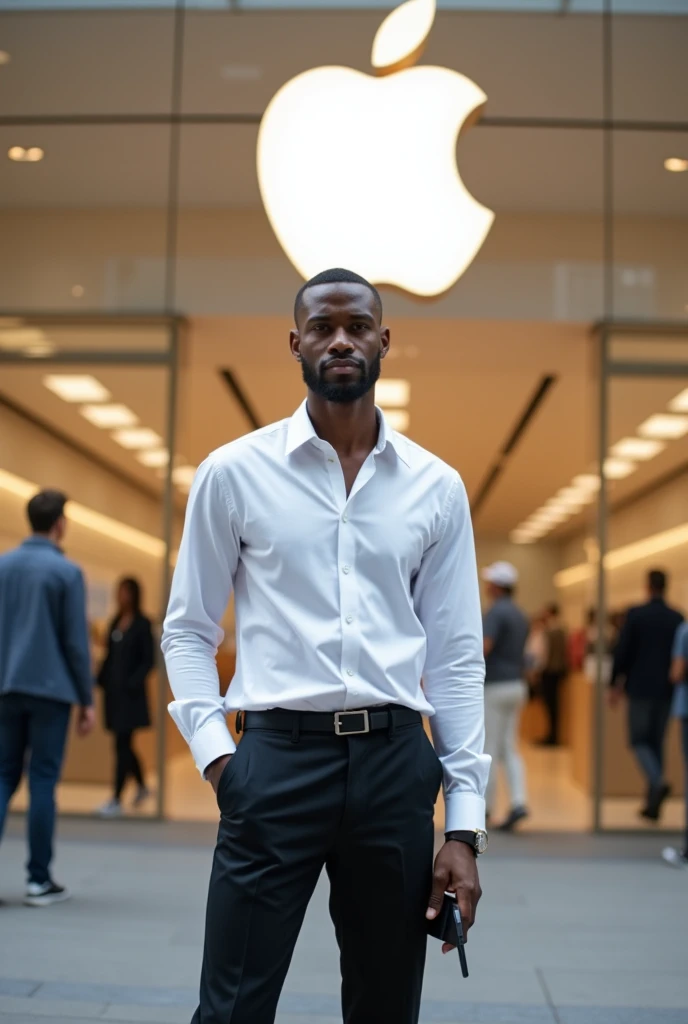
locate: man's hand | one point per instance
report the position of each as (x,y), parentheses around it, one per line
(86,721)
(215,770)
(614,696)
(456,870)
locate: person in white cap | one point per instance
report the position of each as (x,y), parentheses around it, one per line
(505,632)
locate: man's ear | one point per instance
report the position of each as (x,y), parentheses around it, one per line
(385,338)
(295,345)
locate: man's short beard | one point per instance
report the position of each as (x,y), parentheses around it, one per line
(341,392)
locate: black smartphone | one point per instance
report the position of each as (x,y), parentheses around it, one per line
(447,927)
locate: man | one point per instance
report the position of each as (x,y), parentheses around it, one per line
(679,677)
(505,633)
(554,672)
(44,669)
(350,552)
(642,664)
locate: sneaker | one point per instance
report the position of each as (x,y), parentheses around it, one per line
(515,815)
(44,894)
(111,809)
(143,794)
(675,858)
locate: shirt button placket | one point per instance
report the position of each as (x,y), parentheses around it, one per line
(347,589)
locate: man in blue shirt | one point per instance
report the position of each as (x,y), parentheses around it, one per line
(679,676)
(45,668)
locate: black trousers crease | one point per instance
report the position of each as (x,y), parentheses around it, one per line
(359,806)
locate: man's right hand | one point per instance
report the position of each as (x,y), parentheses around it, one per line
(215,770)
(86,721)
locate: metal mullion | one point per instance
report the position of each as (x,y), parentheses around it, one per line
(100,358)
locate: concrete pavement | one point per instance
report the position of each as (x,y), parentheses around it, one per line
(572,930)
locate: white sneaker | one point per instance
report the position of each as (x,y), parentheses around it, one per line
(44,894)
(111,809)
(674,857)
(143,794)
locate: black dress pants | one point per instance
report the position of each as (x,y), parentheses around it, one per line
(361,806)
(550,684)
(126,763)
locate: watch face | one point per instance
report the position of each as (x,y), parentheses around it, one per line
(480,841)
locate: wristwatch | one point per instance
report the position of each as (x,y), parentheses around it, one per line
(476,838)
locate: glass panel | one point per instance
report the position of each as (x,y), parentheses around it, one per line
(647,530)
(650,78)
(528,65)
(40,339)
(84,228)
(81,62)
(58,430)
(650,206)
(649,348)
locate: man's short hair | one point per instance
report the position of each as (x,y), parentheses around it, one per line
(45,509)
(336,276)
(657,581)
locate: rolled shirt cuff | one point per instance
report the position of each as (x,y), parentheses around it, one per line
(212,741)
(464,812)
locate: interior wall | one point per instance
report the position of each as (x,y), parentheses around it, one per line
(536,566)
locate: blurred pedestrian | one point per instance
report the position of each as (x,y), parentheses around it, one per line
(505,632)
(45,668)
(554,672)
(642,668)
(123,675)
(679,677)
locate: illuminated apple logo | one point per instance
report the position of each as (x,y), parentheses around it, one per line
(360,172)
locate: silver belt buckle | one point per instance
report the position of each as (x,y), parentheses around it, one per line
(338,715)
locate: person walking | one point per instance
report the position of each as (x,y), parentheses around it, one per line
(505,634)
(45,668)
(350,552)
(642,668)
(679,677)
(123,675)
(554,672)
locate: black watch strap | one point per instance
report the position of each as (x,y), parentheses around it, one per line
(466,837)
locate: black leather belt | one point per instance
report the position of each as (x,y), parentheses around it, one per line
(339,723)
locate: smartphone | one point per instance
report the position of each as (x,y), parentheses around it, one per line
(447,927)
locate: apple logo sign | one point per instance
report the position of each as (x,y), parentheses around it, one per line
(360,171)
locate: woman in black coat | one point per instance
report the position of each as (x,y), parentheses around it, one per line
(123,676)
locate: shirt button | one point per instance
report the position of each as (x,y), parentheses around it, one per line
(345,518)
(349,671)
(330,460)
(345,569)
(349,619)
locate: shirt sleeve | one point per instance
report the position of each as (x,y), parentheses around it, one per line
(447,601)
(74,637)
(201,588)
(681,642)
(492,623)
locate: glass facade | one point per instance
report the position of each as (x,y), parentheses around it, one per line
(136,248)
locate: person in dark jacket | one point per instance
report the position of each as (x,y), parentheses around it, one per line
(123,677)
(45,669)
(642,667)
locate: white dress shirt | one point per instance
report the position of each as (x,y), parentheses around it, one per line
(341,602)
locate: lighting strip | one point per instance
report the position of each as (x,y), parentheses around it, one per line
(656,544)
(87,517)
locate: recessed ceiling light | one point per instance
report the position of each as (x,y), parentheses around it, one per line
(676,164)
(78,291)
(183,476)
(587,482)
(393,393)
(19,154)
(398,419)
(617,469)
(76,388)
(40,349)
(680,403)
(640,448)
(664,427)
(5,57)
(107,417)
(575,496)
(137,437)
(155,458)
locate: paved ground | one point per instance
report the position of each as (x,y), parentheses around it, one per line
(572,931)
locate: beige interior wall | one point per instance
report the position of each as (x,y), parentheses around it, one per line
(536,566)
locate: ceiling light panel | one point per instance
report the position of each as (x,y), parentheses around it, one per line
(664,427)
(398,419)
(395,393)
(680,403)
(76,388)
(155,458)
(107,417)
(640,448)
(137,437)
(618,469)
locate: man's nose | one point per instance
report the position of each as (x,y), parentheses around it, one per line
(341,342)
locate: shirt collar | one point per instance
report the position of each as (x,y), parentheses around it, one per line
(301,430)
(42,542)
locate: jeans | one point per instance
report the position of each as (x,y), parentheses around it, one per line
(38,727)
(684,738)
(503,703)
(648,720)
